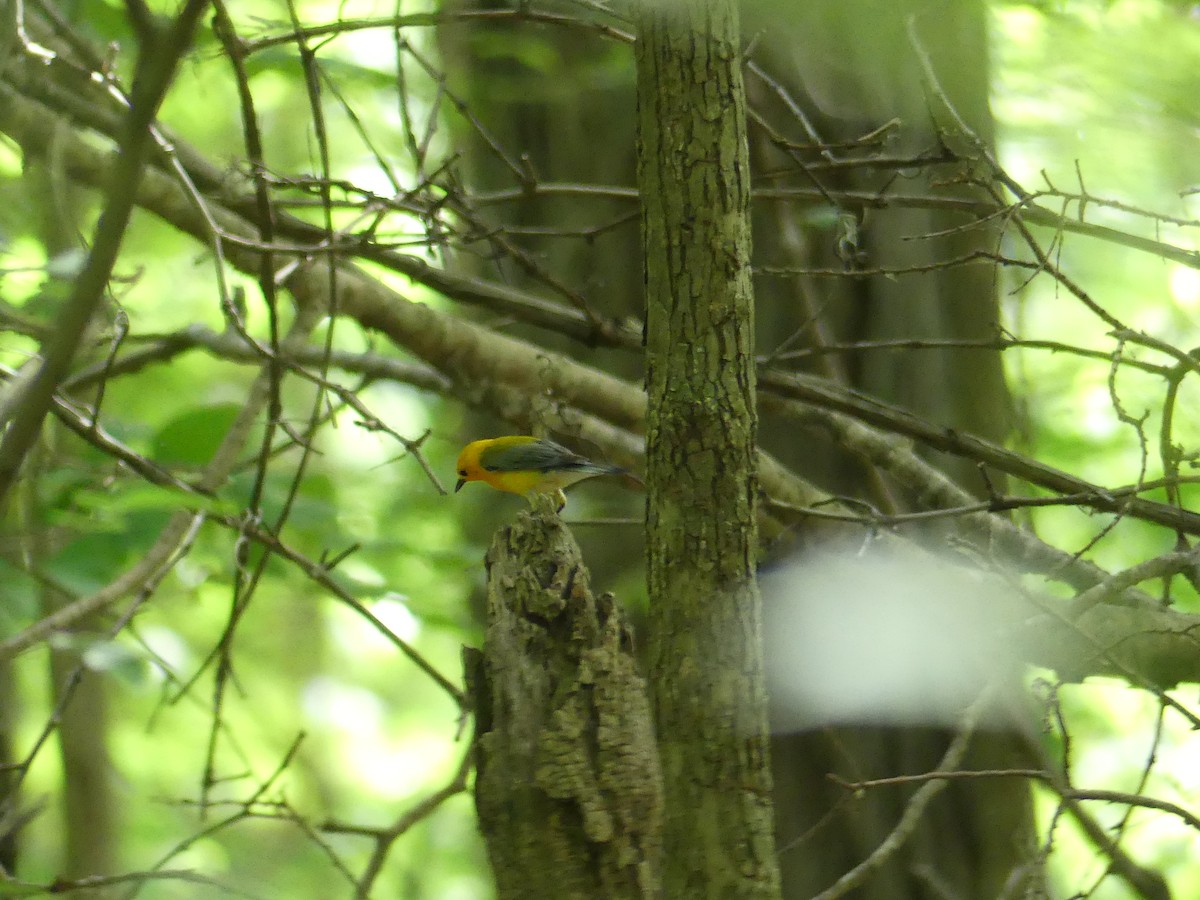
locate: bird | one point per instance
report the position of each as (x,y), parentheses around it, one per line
(522,464)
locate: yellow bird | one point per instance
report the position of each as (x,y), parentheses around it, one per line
(520,464)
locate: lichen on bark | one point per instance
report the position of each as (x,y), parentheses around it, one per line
(568,786)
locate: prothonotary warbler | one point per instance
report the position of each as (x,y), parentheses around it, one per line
(521,464)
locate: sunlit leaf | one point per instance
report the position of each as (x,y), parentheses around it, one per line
(192,437)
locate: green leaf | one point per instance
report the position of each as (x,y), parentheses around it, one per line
(112,509)
(102,654)
(12,888)
(116,659)
(190,439)
(21,598)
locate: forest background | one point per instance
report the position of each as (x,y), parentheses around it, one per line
(236,588)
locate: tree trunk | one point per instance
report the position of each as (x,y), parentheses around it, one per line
(568,785)
(89,815)
(849,81)
(9,810)
(705,611)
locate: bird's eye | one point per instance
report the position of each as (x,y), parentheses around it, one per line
(462,472)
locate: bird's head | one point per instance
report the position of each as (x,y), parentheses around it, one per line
(468,467)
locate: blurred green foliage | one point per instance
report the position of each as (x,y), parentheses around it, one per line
(1101,98)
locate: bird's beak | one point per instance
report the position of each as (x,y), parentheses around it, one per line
(458,487)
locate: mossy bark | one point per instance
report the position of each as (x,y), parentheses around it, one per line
(705,611)
(568,787)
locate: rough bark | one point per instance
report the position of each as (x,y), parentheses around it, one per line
(568,787)
(705,610)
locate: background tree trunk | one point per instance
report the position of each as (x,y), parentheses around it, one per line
(850,81)
(90,813)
